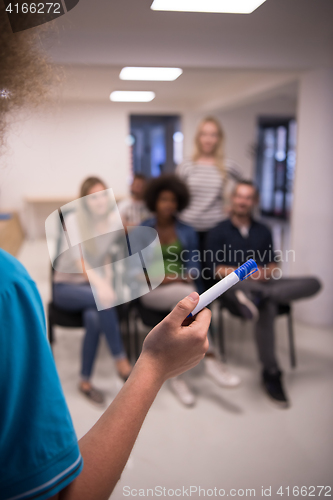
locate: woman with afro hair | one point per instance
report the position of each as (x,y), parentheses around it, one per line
(166,196)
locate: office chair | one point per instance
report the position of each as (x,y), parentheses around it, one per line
(69,319)
(283,309)
(60,317)
(149,317)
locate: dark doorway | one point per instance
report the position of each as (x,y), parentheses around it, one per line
(153,143)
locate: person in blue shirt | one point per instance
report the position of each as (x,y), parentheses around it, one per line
(40,456)
(39,453)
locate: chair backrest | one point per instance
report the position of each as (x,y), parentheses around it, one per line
(150,317)
(62,216)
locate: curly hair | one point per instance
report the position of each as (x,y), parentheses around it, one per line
(26,74)
(167,182)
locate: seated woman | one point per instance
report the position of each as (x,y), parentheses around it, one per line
(166,196)
(92,223)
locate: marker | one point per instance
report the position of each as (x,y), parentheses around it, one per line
(222,286)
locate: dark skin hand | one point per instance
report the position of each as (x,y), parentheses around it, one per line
(175,345)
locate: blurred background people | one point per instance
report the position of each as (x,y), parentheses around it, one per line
(132,209)
(209,179)
(276,107)
(167,196)
(72,291)
(235,240)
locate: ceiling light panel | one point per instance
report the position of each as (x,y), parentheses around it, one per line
(132,96)
(150,74)
(215,6)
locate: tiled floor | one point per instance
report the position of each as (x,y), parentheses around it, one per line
(233,439)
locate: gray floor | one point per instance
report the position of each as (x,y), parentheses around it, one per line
(233,439)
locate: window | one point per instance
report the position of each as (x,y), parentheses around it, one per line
(276,159)
(156,143)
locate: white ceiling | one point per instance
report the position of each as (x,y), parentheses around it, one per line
(196,89)
(280,34)
(228,59)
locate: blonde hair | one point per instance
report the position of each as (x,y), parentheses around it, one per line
(219,149)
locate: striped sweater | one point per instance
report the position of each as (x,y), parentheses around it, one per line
(209,193)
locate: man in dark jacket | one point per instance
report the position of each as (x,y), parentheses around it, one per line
(229,245)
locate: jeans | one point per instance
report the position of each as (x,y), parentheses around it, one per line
(269,295)
(73,297)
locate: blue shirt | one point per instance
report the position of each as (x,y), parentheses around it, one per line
(39,453)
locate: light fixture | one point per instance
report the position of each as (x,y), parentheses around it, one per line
(152,74)
(5,94)
(217,6)
(178,137)
(132,96)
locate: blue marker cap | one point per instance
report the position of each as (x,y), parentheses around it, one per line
(246,269)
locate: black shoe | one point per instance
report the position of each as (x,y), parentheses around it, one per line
(273,386)
(240,305)
(93,395)
(246,307)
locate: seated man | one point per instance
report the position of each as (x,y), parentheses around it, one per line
(229,245)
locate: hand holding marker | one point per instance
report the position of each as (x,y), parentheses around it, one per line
(222,286)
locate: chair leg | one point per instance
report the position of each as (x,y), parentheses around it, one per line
(131,332)
(50,330)
(221,335)
(125,328)
(128,333)
(136,336)
(291,341)
(212,326)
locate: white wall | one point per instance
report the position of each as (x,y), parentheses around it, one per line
(312,216)
(49,152)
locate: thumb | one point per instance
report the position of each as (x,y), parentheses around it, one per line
(183,308)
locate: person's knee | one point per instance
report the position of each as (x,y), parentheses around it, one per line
(314,285)
(91,319)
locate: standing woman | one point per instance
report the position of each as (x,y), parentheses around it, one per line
(209,179)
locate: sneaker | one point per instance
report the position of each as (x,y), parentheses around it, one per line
(93,395)
(274,389)
(246,307)
(182,391)
(219,372)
